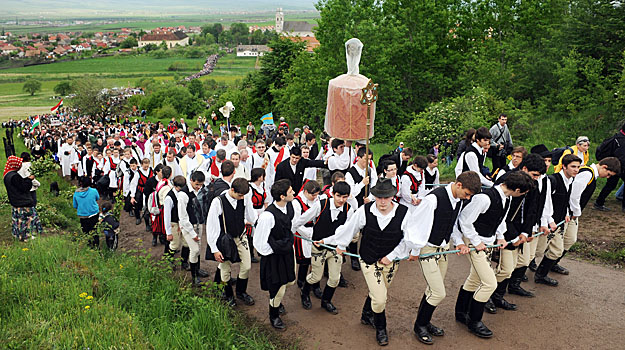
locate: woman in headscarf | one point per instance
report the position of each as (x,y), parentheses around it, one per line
(25,218)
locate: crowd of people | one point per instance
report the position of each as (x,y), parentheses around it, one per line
(207,68)
(250,195)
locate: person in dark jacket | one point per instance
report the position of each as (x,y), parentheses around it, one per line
(292,169)
(24,217)
(86,204)
(110,225)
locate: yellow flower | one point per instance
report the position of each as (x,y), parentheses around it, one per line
(89,297)
(87,307)
(121,266)
(24,249)
(82,295)
(4,256)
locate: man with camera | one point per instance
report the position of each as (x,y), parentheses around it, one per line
(501,142)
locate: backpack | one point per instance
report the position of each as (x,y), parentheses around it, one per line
(118,170)
(558,152)
(607,148)
(205,196)
(153,201)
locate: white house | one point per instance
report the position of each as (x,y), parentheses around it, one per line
(251,50)
(171,39)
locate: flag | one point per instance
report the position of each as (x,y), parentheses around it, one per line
(58,105)
(267,118)
(35,123)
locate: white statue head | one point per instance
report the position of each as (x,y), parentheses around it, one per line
(225,110)
(353,50)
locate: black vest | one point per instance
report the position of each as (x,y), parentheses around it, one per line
(190,208)
(542,198)
(174,209)
(486,224)
(360,197)
(377,243)
(444,217)
(480,159)
(590,187)
(325,227)
(560,196)
(280,238)
(235,218)
(429,179)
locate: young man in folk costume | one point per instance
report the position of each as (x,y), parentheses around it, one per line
(553,244)
(482,222)
(227,215)
(113,162)
(413,183)
(158,221)
(431,173)
(148,189)
(382,224)
(274,242)
(137,193)
(339,158)
(259,203)
(473,158)
(389,171)
(326,215)
(301,204)
(360,189)
(520,222)
(582,188)
(129,186)
(435,218)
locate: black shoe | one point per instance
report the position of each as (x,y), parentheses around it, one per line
(480,329)
(154,241)
(381,336)
(524,278)
(305,295)
(281,310)
(317,290)
(462,306)
(545,280)
(228,296)
(326,300)
(541,272)
(423,335)
(138,221)
(148,228)
(533,265)
(503,303)
(131,213)
(600,207)
(230,301)
(435,331)
(247,299)
(515,288)
(195,281)
(274,318)
(367,314)
(202,273)
(329,307)
(343,282)
(255,260)
(355,264)
(557,268)
(185,266)
(490,307)
(476,310)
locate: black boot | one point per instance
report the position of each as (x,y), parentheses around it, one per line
(326,300)
(195,280)
(514,287)
(274,318)
(201,273)
(541,273)
(305,294)
(353,248)
(253,258)
(217,278)
(476,310)
(154,241)
(229,295)
(490,307)
(423,329)
(163,239)
(379,319)
(533,265)
(302,272)
(343,282)
(558,268)
(462,305)
(242,292)
(498,296)
(317,290)
(184,254)
(138,221)
(367,313)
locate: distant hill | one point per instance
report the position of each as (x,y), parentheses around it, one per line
(61,8)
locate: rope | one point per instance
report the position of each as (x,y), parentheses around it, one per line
(427,254)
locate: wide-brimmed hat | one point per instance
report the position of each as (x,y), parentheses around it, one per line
(542,150)
(384,189)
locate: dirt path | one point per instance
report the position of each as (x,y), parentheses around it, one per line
(584,312)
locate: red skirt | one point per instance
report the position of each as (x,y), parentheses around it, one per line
(299,252)
(158,223)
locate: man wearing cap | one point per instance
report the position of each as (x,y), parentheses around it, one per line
(382,224)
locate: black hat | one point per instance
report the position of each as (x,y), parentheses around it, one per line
(542,150)
(384,189)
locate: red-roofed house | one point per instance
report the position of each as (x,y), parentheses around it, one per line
(311,42)
(171,39)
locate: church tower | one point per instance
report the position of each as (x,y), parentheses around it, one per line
(279,20)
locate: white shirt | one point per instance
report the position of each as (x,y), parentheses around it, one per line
(213,221)
(433,172)
(479,204)
(266,222)
(339,161)
(345,233)
(579,185)
(229,148)
(175,167)
(357,187)
(183,216)
(404,188)
(418,237)
(302,230)
(471,159)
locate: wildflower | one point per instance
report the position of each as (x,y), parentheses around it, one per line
(121,266)
(82,295)
(24,249)
(87,307)
(89,297)
(3,256)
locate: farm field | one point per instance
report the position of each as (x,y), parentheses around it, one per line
(111,71)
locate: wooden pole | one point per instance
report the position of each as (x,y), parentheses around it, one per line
(369,96)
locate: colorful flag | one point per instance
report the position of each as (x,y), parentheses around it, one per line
(35,123)
(267,118)
(58,105)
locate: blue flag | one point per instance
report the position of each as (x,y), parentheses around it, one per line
(267,118)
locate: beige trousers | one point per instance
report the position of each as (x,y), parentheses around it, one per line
(538,247)
(319,258)
(555,247)
(178,242)
(507,263)
(524,253)
(378,278)
(194,247)
(434,269)
(482,280)
(246,261)
(570,235)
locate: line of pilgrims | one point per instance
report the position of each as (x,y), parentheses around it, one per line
(264,198)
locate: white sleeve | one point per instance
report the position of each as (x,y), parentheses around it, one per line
(417,235)
(250,213)
(404,188)
(471,159)
(134,184)
(478,205)
(422,192)
(213,226)
(167,215)
(547,214)
(502,228)
(355,187)
(339,162)
(346,232)
(302,219)
(261,234)
(579,185)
